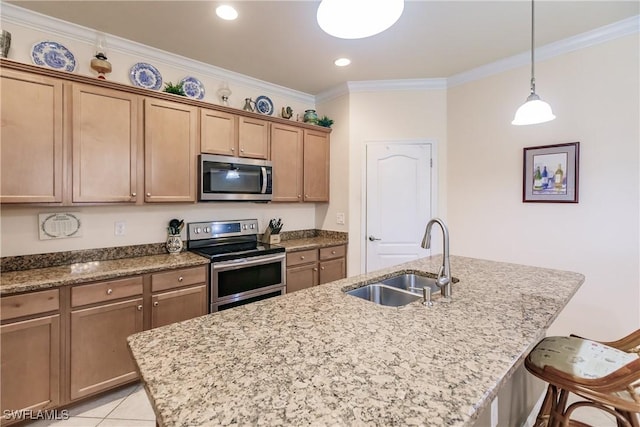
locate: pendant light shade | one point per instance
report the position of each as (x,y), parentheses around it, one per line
(356,19)
(534,110)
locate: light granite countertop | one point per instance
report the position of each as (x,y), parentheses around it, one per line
(12,282)
(321,357)
(312,242)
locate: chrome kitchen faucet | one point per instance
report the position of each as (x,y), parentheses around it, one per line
(444,275)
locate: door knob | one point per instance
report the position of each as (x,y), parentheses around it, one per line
(373,238)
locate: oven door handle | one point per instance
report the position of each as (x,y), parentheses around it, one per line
(246,262)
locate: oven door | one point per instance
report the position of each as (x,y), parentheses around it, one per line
(244,280)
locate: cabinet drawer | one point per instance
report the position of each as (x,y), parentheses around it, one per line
(178,278)
(302,257)
(106,291)
(333,252)
(27,304)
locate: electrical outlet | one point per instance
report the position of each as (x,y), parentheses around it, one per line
(494,412)
(340,218)
(119,228)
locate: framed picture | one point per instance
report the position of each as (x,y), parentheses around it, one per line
(551,173)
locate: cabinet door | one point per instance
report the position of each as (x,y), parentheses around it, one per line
(104,145)
(331,270)
(30,353)
(100,358)
(30,138)
(316,166)
(301,277)
(253,138)
(286,155)
(218,132)
(176,306)
(170,137)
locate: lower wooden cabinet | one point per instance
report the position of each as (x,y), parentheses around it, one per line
(176,306)
(100,358)
(30,376)
(312,267)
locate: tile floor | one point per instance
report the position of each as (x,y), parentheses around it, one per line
(126,407)
(130,407)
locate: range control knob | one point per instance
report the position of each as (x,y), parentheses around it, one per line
(197,230)
(207,230)
(253,226)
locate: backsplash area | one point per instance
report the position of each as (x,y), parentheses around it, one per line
(27,262)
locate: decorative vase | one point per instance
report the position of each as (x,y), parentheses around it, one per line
(174,244)
(310,116)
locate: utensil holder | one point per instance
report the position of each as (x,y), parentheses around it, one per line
(174,244)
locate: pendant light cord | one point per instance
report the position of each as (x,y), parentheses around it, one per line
(533,79)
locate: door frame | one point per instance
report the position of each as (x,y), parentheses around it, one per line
(363,187)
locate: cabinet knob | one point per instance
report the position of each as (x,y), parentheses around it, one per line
(299,196)
(180,279)
(306,196)
(109,291)
(333,252)
(233,149)
(321,268)
(155,303)
(301,256)
(315,269)
(140,307)
(242,150)
(133,194)
(148,194)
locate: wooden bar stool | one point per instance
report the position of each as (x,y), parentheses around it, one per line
(605,374)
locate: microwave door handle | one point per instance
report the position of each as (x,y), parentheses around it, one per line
(264,180)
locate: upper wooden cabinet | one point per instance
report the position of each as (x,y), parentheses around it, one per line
(31,138)
(170,139)
(300,164)
(231,135)
(316,166)
(286,156)
(253,138)
(218,132)
(104,144)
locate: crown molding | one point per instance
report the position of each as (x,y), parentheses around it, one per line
(381,86)
(53,26)
(594,37)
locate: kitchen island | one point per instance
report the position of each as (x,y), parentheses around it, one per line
(322,357)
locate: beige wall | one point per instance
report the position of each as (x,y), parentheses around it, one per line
(595,95)
(391,116)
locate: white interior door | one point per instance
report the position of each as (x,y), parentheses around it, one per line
(398,202)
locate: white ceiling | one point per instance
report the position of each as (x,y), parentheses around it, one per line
(280,41)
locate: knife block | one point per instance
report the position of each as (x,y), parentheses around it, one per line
(267,237)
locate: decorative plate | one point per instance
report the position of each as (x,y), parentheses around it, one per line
(192,87)
(264,105)
(53,55)
(146,76)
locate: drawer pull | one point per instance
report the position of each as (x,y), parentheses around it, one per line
(321,268)
(333,252)
(148,194)
(140,307)
(315,269)
(133,194)
(180,279)
(109,291)
(155,303)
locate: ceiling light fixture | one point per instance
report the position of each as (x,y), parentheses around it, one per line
(342,62)
(534,110)
(356,19)
(226,12)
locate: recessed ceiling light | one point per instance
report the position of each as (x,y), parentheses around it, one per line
(342,62)
(226,12)
(356,19)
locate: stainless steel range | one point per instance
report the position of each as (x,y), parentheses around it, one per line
(243,269)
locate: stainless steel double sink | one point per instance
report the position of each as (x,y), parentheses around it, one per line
(397,290)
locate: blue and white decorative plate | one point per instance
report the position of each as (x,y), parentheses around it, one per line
(146,76)
(264,105)
(53,55)
(192,87)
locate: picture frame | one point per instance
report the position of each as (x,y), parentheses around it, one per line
(550,173)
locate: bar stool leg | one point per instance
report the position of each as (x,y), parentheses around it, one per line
(542,420)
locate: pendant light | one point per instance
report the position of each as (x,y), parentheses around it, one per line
(357,19)
(534,110)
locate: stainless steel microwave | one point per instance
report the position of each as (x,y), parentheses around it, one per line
(223,178)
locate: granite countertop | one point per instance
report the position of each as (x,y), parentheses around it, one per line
(321,357)
(312,242)
(12,282)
